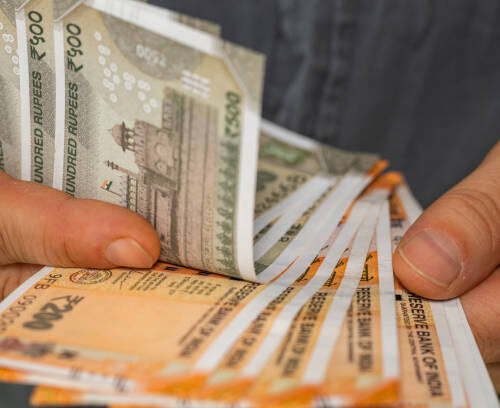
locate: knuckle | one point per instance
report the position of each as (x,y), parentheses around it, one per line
(57,249)
(11,246)
(5,280)
(3,247)
(11,276)
(483,213)
(63,252)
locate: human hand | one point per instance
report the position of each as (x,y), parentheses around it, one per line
(453,249)
(43,226)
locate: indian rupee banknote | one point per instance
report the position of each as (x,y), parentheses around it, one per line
(288,162)
(162,119)
(199,219)
(223,298)
(429,374)
(325,355)
(34,21)
(210,306)
(203,329)
(279,383)
(237,358)
(295,176)
(35,25)
(10,69)
(207,302)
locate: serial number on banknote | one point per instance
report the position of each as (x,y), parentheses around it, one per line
(14,312)
(151,55)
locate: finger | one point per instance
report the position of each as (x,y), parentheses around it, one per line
(11,276)
(455,244)
(40,225)
(482,309)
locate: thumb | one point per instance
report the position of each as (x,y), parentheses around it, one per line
(40,225)
(455,244)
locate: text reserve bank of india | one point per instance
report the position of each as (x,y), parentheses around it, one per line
(432,352)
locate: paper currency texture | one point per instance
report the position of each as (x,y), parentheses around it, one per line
(10,120)
(36,48)
(158,118)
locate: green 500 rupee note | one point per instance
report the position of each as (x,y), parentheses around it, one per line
(158,118)
(35,26)
(295,176)
(287,161)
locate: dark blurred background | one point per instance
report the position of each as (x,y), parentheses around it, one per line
(417,81)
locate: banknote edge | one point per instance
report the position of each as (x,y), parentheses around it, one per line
(318,362)
(390,344)
(24,90)
(24,287)
(60,113)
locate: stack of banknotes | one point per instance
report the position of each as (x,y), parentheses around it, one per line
(275,286)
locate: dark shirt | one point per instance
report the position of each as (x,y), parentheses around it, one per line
(417,81)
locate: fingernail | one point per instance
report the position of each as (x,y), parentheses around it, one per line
(127,252)
(432,256)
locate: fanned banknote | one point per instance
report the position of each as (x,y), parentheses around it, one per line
(428,363)
(146,108)
(429,374)
(215,311)
(10,108)
(153,356)
(158,117)
(296,175)
(163,119)
(35,26)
